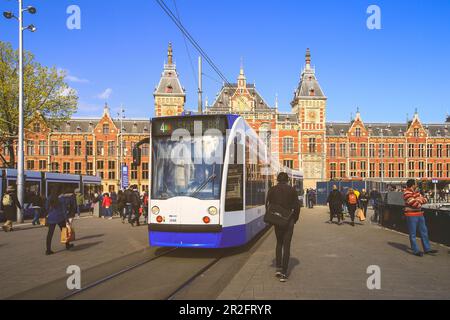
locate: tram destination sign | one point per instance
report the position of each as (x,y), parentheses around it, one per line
(166,126)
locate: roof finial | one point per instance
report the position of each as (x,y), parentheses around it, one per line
(308,58)
(170,54)
(416,112)
(242,66)
(106,109)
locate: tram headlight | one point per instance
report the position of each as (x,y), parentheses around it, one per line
(155,210)
(212,211)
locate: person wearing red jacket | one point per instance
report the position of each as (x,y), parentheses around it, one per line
(106,204)
(415,218)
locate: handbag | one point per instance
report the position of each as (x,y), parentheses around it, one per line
(360,215)
(278,216)
(43,222)
(64,235)
(71,233)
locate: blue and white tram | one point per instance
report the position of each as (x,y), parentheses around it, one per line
(43,182)
(209,179)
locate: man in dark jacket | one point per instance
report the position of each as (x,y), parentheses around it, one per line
(285,196)
(10,204)
(364,201)
(335,201)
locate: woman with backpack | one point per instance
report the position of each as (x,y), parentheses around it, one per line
(352,204)
(10,205)
(57,216)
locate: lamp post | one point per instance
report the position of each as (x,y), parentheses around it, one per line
(121,116)
(20,149)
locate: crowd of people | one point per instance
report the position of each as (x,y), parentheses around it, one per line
(349,202)
(127,204)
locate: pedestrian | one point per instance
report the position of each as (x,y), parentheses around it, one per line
(352,204)
(38,206)
(70,204)
(335,202)
(135,205)
(285,196)
(145,205)
(106,204)
(121,205)
(377,199)
(10,205)
(310,199)
(80,201)
(56,206)
(114,202)
(415,218)
(364,201)
(128,196)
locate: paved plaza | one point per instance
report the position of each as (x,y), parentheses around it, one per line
(331,261)
(327,262)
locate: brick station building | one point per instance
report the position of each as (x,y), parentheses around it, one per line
(300,139)
(303,139)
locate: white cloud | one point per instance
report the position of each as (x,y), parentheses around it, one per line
(71,77)
(105,94)
(74,79)
(84,107)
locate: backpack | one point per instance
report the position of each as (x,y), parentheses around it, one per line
(7,200)
(352,199)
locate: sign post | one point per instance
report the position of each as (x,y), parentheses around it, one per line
(125,181)
(435,182)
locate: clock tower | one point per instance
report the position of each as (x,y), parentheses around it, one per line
(309,104)
(169,95)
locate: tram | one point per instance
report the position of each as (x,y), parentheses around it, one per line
(209,179)
(44,182)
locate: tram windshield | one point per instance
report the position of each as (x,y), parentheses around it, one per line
(189,167)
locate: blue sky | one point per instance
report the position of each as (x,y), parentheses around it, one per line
(118,54)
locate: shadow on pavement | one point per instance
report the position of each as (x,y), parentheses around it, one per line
(400,246)
(90,237)
(293,262)
(85,246)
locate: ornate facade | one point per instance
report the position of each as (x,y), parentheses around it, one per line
(300,139)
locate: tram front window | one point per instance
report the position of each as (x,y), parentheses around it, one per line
(187,167)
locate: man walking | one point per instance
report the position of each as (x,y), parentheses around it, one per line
(364,201)
(414,217)
(285,196)
(335,202)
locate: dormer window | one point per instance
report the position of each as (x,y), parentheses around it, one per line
(358,132)
(416,132)
(78,129)
(312,92)
(169,88)
(37,127)
(106,128)
(145,129)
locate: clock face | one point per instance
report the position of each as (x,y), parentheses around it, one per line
(169,110)
(312,115)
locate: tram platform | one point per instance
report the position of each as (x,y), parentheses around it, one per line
(24,265)
(329,261)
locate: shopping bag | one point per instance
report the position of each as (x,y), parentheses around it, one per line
(43,222)
(64,235)
(360,215)
(70,233)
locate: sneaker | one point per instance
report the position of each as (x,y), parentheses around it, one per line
(418,254)
(70,246)
(278,274)
(353,224)
(49,253)
(283,278)
(110,218)
(431,252)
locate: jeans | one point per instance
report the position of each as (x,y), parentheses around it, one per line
(107,212)
(283,250)
(128,212)
(78,210)
(36,216)
(413,223)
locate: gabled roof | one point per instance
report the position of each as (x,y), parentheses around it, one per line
(308,86)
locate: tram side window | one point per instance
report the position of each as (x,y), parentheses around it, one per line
(256,182)
(234,199)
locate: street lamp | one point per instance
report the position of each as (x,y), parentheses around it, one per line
(20,150)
